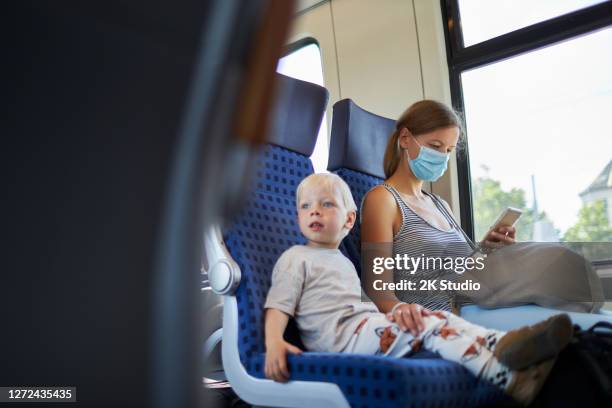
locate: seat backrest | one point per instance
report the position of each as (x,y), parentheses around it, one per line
(357,148)
(267,225)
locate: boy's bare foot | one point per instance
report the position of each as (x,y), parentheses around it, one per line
(529,345)
(526,384)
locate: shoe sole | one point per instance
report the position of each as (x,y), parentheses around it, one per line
(542,345)
(533,380)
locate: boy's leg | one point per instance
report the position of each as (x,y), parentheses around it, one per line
(521,347)
(486,337)
(462,342)
(443,334)
(377,335)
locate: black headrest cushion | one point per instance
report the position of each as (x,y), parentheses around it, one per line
(358,139)
(297,114)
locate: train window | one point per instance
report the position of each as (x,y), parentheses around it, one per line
(305,64)
(538,127)
(535,101)
(485,19)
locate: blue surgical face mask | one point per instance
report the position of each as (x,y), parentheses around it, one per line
(429,165)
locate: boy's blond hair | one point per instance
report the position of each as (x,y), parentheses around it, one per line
(330,181)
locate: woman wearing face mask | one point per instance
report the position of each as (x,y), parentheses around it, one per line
(418,223)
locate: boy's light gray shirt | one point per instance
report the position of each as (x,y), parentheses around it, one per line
(321,289)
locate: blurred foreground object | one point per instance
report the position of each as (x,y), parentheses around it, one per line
(120,126)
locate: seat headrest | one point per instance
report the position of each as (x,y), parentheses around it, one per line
(358,139)
(297,115)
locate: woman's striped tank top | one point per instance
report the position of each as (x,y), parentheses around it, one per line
(418,238)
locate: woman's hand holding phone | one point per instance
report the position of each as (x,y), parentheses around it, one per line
(502,232)
(496,238)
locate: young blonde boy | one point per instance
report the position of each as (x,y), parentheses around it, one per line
(318,286)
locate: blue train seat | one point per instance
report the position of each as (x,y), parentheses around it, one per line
(356,151)
(358,141)
(241,265)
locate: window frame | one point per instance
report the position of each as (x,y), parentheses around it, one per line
(301,43)
(523,40)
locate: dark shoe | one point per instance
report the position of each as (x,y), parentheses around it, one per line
(529,345)
(526,384)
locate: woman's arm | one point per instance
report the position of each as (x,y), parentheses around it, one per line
(378,216)
(276,346)
(380,220)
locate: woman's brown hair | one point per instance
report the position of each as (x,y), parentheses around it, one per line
(421,117)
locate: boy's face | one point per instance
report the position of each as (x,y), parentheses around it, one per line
(322,216)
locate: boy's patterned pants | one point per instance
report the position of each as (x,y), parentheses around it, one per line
(452,337)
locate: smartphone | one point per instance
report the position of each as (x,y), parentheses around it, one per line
(507,218)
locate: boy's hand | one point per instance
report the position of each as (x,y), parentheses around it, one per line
(276,359)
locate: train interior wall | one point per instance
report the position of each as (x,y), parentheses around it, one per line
(384,55)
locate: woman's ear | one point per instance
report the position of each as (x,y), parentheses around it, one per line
(404,138)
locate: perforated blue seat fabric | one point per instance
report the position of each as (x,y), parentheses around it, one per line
(267,227)
(359,184)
